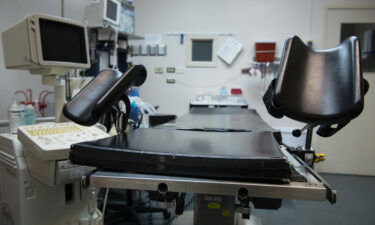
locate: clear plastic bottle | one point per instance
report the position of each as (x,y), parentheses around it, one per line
(223,90)
(15,117)
(29,117)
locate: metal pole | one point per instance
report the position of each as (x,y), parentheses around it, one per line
(309,138)
(62,9)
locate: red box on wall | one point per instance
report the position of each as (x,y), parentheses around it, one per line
(265,51)
(236,91)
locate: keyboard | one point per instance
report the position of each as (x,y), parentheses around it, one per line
(52,141)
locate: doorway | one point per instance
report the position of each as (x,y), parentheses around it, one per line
(351,150)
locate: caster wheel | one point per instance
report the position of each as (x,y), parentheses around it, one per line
(166,214)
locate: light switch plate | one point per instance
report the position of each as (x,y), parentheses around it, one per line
(171,81)
(171,69)
(180,70)
(159,70)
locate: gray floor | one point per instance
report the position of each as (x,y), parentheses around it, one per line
(355,206)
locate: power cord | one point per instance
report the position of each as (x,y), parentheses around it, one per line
(105,202)
(149,215)
(118,116)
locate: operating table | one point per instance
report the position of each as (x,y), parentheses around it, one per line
(180,157)
(228,157)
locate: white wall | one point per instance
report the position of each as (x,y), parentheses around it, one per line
(252,20)
(12,11)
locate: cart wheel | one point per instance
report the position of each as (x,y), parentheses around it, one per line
(166,214)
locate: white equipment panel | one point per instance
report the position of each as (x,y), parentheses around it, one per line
(52,141)
(220,100)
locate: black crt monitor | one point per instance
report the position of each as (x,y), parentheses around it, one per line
(62,42)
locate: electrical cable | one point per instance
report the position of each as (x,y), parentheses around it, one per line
(68,93)
(147,107)
(126,100)
(140,118)
(106,120)
(132,124)
(113,118)
(105,203)
(119,117)
(66,86)
(149,215)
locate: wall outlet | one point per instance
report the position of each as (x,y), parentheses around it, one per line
(171,81)
(180,70)
(158,70)
(171,69)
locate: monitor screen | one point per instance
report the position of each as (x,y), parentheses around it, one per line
(111,10)
(62,42)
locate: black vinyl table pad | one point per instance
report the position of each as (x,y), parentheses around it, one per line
(228,155)
(224,119)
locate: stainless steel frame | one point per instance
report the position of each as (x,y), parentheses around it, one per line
(315,188)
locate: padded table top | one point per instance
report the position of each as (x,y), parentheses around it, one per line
(220,119)
(248,145)
(213,143)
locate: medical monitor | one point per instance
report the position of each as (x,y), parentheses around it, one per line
(103,13)
(112,10)
(46,44)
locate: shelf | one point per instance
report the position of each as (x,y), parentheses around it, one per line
(121,35)
(133,36)
(265,63)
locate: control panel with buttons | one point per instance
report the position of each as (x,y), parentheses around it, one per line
(52,141)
